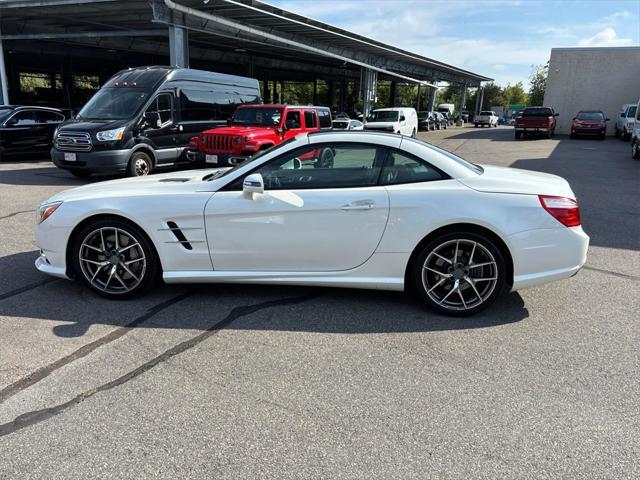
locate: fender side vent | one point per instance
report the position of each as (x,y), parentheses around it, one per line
(179,235)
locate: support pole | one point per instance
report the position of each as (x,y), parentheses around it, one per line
(478,101)
(418,99)
(3,77)
(179,47)
(392,94)
(265,91)
(431,103)
(315,92)
(368,89)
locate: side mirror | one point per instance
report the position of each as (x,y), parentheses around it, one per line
(402,118)
(607,119)
(556,114)
(152,119)
(253,184)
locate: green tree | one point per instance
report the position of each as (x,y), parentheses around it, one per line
(514,94)
(493,96)
(538,84)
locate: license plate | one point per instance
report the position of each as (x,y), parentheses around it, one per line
(211,158)
(70,157)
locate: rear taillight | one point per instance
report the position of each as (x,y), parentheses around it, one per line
(563,209)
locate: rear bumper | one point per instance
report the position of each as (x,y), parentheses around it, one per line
(547,255)
(103,161)
(532,129)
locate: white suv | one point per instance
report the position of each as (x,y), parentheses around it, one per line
(625,121)
(486,117)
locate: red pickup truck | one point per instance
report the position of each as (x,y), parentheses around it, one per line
(536,121)
(254,128)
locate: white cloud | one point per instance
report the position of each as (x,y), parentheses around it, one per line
(605,38)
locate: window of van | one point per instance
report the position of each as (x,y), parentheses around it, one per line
(207,105)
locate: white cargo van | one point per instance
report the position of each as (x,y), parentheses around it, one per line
(401,120)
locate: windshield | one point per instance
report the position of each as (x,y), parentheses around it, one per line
(268,117)
(537,112)
(598,116)
(114,104)
(632,111)
(4,113)
(384,116)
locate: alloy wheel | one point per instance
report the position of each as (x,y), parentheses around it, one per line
(141,167)
(112,260)
(459,274)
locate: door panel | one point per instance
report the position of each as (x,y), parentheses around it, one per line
(163,138)
(295,230)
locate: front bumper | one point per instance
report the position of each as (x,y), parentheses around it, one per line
(546,255)
(100,161)
(588,131)
(216,159)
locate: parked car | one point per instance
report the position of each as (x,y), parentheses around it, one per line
(400,120)
(589,122)
(514,117)
(635,135)
(426,120)
(441,121)
(254,128)
(536,121)
(347,124)
(143,118)
(464,116)
(27,130)
(625,121)
(447,109)
(486,117)
(461,235)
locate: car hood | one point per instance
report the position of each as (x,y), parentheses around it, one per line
(514,180)
(137,186)
(248,131)
(91,125)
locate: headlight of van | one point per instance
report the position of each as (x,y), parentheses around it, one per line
(110,135)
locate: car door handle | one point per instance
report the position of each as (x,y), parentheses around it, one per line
(359,205)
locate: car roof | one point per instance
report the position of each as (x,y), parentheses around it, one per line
(392,109)
(30,107)
(282,105)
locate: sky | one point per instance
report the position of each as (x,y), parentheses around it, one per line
(501,39)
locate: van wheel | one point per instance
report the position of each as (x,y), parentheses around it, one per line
(518,135)
(140,165)
(635,149)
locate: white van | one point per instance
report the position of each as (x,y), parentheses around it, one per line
(400,120)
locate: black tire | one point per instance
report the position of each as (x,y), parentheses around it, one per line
(475,125)
(445,127)
(572,135)
(326,159)
(80,173)
(626,136)
(424,279)
(518,135)
(141,276)
(616,132)
(140,165)
(635,149)
(602,136)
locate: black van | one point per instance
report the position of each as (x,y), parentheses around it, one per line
(143,118)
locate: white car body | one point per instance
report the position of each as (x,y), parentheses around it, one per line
(343,237)
(405,122)
(486,117)
(625,121)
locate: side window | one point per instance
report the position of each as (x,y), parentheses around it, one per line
(400,168)
(325,166)
(197,105)
(310,119)
(22,118)
(325,118)
(162,105)
(43,116)
(293,120)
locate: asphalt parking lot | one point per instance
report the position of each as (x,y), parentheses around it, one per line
(284,382)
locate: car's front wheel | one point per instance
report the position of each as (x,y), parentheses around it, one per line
(459,273)
(140,164)
(635,149)
(114,258)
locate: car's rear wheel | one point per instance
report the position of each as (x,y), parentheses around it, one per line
(459,273)
(635,149)
(518,135)
(115,258)
(140,164)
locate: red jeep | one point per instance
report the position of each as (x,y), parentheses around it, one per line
(254,128)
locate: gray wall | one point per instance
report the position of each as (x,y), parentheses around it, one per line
(592,79)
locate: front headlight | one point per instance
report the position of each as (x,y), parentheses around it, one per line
(46,210)
(110,135)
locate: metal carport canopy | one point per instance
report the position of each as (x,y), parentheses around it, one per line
(258,29)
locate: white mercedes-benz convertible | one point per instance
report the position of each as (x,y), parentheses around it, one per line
(348,209)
